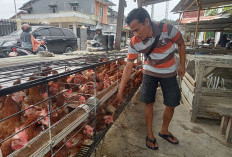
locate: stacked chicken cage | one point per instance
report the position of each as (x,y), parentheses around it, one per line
(63,107)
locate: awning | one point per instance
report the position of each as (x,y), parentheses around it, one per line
(219,25)
(202,18)
(191,5)
(149,2)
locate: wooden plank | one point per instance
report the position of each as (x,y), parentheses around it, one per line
(214,107)
(208,70)
(229,131)
(188,94)
(199,80)
(190,86)
(186,103)
(197,26)
(217,93)
(224,123)
(190,79)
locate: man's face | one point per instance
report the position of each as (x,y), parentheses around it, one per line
(98,32)
(140,30)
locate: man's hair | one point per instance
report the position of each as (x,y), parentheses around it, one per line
(140,14)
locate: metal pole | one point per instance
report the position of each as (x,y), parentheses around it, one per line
(95,110)
(49,116)
(15,10)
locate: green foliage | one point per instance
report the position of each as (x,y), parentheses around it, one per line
(169,21)
(227,8)
(211,12)
(209,34)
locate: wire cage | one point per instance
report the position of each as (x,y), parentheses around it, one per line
(63,107)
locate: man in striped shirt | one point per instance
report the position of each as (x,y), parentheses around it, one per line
(159,67)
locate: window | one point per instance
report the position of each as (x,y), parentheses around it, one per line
(68,33)
(74,7)
(43,32)
(53,7)
(53,10)
(101,11)
(56,32)
(70,26)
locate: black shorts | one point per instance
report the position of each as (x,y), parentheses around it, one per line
(169,86)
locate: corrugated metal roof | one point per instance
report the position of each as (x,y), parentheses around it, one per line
(222,24)
(202,18)
(149,2)
(191,5)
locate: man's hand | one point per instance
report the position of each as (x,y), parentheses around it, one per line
(181,71)
(120,98)
(42,42)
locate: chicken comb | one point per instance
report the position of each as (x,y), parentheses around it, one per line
(70,91)
(82,98)
(21,135)
(106,76)
(43,112)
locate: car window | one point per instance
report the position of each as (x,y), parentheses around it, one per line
(68,33)
(16,33)
(43,32)
(56,32)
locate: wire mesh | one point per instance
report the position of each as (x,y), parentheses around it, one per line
(64,87)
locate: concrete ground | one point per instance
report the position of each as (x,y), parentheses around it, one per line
(126,138)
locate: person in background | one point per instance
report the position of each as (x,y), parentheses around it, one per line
(97,40)
(208,41)
(223,40)
(28,41)
(228,45)
(159,67)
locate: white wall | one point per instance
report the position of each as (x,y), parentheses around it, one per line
(217,37)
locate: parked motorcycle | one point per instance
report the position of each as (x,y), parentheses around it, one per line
(19,51)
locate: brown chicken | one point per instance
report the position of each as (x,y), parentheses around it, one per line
(60,150)
(14,143)
(35,129)
(34,97)
(78,138)
(2,100)
(10,107)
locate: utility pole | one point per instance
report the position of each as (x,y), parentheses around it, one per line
(152,12)
(102,11)
(166,11)
(139,2)
(121,6)
(15,10)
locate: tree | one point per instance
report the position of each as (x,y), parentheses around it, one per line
(211,12)
(227,9)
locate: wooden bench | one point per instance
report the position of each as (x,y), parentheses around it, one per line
(226,123)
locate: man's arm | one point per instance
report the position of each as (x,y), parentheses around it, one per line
(181,48)
(125,77)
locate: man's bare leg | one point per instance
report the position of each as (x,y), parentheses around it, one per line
(149,118)
(167,117)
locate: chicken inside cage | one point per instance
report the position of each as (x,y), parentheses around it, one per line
(64,110)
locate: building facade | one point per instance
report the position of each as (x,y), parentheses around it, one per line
(71,14)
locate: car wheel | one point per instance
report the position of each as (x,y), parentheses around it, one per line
(4,55)
(68,49)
